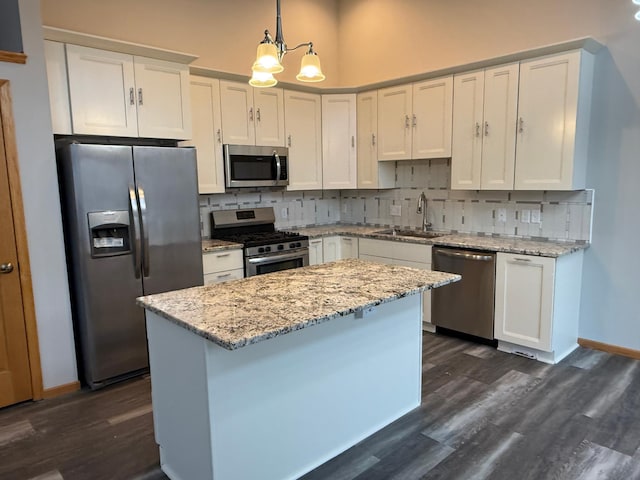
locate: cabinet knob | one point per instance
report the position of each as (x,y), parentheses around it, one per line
(521,125)
(140,96)
(219,134)
(251,114)
(486,129)
(373,139)
(289,140)
(477,129)
(258,114)
(415,120)
(406,121)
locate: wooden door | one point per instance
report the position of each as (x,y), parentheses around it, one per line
(162,95)
(15,374)
(432,118)
(236,101)
(102,92)
(394,123)
(339,141)
(269,116)
(303,120)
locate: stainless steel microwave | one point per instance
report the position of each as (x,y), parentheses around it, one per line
(250,166)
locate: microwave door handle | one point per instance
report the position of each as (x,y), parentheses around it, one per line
(278,165)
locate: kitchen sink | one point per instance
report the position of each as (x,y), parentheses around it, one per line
(410,233)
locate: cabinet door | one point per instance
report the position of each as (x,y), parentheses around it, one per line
(371,174)
(303,120)
(524,300)
(207,133)
(432,117)
(315,251)
(236,101)
(394,123)
(339,141)
(499,128)
(102,92)
(164,102)
(58,87)
(468,130)
(331,249)
(547,111)
(269,116)
(348,247)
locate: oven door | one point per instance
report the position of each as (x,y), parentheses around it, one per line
(275,262)
(251,166)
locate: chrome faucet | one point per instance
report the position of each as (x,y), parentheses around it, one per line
(422,208)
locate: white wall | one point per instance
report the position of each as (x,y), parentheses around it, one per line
(41,202)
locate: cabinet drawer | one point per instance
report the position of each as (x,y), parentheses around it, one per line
(222,261)
(409,252)
(220,277)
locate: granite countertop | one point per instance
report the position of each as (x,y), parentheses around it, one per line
(239,313)
(214,245)
(474,242)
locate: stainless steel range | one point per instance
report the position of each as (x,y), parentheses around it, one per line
(266,249)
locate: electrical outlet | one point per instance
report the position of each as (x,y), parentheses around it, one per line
(396,210)
(284,213)
(535,216)
(502,215)
(525,216)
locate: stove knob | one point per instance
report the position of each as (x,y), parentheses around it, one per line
(267,249)
(292,245)
(298,244)
(280,247)
(261,250)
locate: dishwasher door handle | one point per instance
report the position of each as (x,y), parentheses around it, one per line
(468,256)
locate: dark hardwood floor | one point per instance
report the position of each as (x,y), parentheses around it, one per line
(485,415)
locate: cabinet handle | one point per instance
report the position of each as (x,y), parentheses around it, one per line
(521,125)
(258,114)
(220,255)
(477,129)
(219,134)
(522,259)
(347,239)
(314,242)
(140,96)
(251,114)
(486,129)
(353,141)
(415,120)
(289,140)
(224,275)
(132,97)
(406,121)
(373,139)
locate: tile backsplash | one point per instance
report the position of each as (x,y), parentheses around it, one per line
(565,216)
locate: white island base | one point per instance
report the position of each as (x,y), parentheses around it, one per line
(281,407)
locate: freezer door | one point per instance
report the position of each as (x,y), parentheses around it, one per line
(167,184)
(100,240)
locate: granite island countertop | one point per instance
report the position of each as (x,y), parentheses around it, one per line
(490,243)
(239,313)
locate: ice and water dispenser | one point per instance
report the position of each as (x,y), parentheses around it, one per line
(109,233)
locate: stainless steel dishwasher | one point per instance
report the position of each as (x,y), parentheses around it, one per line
(466,306)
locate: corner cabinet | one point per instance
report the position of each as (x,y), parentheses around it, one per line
(484,126)
(537,305)
(371,173)
(207,134)
(303,127)
(339,142)
(124,95)
(554,109)
(252,116)
(415,121)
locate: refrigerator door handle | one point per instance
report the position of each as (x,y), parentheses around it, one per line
(135,226)
(145,231)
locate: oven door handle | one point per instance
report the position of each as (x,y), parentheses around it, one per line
(276,258)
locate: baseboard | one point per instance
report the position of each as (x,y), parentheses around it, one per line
(61,390)
(605,347)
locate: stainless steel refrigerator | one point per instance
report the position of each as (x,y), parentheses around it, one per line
(132,228)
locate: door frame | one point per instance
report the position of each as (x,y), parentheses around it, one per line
(15,192)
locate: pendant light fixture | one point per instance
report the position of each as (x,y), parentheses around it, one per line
(269,59)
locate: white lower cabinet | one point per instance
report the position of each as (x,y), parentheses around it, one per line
(330,249)
(348,247)
(316,255)
(222,266)
(400,253)
(537,305)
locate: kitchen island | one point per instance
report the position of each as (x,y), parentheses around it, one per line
(270,376)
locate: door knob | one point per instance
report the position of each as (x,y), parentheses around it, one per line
(6,268)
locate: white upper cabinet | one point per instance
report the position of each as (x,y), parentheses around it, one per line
(371,173)
(252,116)
(207,134)
(414,121)
(123,95)
(554,110)
(339,141)
(58,87)
(303,126)
(484,126)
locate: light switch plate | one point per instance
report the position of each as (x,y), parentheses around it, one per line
(502,215)
(525,216)
(535,216)
(284,213)
(396,210)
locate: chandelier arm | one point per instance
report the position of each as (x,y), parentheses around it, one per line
(307,44)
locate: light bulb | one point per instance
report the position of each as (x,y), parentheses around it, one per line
(637,15)
(637,2)
(262,80)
